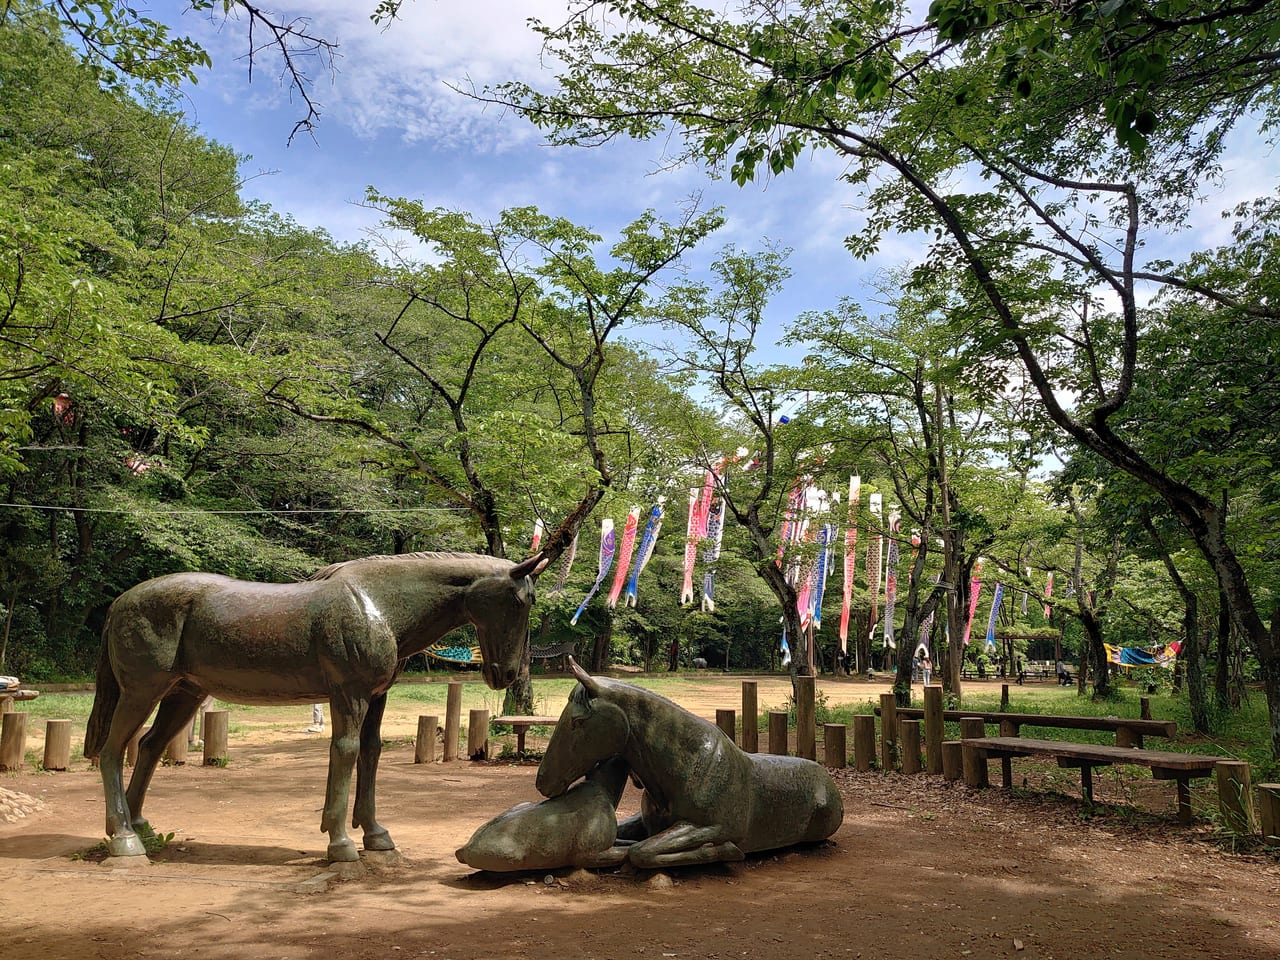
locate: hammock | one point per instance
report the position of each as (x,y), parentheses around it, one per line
(554,650)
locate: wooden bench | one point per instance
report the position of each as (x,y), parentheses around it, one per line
(8,697)
(1129,731)
(1164,764)
(522,725)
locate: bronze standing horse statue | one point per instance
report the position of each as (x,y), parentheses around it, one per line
(339,636)
(705,799)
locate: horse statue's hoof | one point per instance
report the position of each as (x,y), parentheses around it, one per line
(126,845)
(381,840)
(143,829)
(344,851)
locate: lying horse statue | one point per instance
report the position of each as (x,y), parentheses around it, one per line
(704,800)
(339,636)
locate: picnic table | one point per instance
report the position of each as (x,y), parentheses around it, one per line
(1129,731)
(11,691)
(1164,764)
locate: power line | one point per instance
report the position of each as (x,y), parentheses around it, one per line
(260,511)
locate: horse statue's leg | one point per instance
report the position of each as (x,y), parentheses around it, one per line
(174,716)
(363,814)
(347,714)
(683,844)
(129,714)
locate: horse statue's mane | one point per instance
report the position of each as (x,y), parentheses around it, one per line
(488,564)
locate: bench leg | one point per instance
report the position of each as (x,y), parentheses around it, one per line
(1184,801)
(1086,782)
(1006,772)
(520,732)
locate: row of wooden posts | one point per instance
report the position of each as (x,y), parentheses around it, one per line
(900,744)
(57,742)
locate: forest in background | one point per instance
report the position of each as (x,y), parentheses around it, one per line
(193,381)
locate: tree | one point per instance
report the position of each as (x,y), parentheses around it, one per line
(919,109)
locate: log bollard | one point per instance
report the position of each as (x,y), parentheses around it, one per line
(806,726)
(910,731)
(750,718)
(778,732)
(216,727)
(864,742)
(176,751)
(1145,704)
(1235,797)
(452,720)
(1004,696)
(952,762)
(973,759)
(13,740)
(478,735)
(727,720)
(833,745)
(1269,812)
(424,747)
(57,744)
(933,727)
(888,729)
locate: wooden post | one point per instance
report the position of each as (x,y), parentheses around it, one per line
(727,720)
(973,759)
(478,735)
(13,740)
(778,732)
(1004,696)
(57,744)
(1146,707)
(1235,797)
(933,727)
(750,718)
(1127,738)
(216,726)
(888,729)
(424,748)
(952,763)
(910,730)
(864,742)
(834,753)
(806,727)
(1269,812)
(452,720)
(176,751)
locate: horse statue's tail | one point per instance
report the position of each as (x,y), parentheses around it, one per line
(105,699)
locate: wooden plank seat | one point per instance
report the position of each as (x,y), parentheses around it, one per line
(522,725)
(10,696)
(1129,731)
(1164,764)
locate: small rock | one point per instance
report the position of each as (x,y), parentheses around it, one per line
(549,879)
(659,881)
(1017,944)
(582,877)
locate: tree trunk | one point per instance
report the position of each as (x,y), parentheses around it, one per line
(1222,679)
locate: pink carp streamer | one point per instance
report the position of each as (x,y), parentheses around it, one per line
(850,560)
(1048,592)
(690,548)
(537,536)
(975,588)
(624,555)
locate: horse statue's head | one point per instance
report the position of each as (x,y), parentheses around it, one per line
(499,607)
(591,728)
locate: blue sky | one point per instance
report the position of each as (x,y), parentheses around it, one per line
(391,121)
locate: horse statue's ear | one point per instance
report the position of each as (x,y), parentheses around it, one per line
(530,567)
(587,680)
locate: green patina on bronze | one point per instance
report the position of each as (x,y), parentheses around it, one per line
(339,636)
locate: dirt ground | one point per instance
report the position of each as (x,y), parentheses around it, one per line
(920,869)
